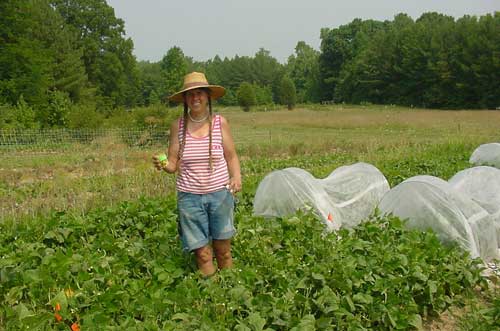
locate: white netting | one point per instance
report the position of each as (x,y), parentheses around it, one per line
(346,197)
(428,202)
(487,154)
(481,184)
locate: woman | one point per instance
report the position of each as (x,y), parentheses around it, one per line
(202,152)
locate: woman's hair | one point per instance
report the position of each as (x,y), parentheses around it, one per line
(184,128)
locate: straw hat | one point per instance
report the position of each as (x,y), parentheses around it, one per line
(196,80)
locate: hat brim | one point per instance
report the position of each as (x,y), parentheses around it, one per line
(216,92)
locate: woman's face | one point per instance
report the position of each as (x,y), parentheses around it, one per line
(197,100)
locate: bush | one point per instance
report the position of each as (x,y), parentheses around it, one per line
(246,96)
(263,95)
(56,112)
(84,116)
(156,115)
(287,93)
(21,116)
(229,99)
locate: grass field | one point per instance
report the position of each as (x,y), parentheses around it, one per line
(393,139)
(92,227)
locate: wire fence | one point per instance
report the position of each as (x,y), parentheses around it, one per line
(24,144)
(62,139)
(19,143)
(54,140)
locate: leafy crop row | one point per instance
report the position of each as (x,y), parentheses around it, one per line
(122,269)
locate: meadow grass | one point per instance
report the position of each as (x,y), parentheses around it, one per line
(401,142)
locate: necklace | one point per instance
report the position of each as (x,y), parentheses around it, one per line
(195,120)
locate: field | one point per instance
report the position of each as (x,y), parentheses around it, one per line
(93,228)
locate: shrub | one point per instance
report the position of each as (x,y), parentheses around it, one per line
(21,116)
(287,92)
(263,95)
(246,96)
(55,113)
(229,99)
(84,116)
(156,115)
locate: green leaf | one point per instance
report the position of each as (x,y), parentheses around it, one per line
(363,298)
(415,320)
(242,327)
(14,295)
(60,299)
(420,276)
(316,276)
(391,319)
(324,323)
(256,322)
(163,276)
(32,276)
(302,284)
(307,323)
(181,317)
(348,299)
(22,311)
(432,287)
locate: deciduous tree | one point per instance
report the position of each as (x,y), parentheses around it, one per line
(287,92)
(107,54)
(173,68)
(303,69)
(246,96)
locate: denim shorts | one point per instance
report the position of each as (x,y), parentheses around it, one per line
(203,217)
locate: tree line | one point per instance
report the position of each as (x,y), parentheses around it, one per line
(62,60)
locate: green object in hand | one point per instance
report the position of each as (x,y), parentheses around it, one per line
(162,158)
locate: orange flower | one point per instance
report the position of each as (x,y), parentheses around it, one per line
(58,317)
(75,327)
(58,307)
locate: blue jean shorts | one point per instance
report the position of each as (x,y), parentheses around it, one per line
(203,217)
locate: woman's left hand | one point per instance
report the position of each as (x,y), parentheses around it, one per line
(234,185)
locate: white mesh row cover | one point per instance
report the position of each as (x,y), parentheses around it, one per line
(481,184)
(343,199)
(486,154)
(430,202)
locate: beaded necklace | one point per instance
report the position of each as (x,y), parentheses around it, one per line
(195,120)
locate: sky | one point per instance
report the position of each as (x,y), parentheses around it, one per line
(204,29)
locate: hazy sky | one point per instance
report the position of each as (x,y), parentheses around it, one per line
(203,29)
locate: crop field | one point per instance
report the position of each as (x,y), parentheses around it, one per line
(88,233)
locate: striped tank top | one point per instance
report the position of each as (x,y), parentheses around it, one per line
(195,175)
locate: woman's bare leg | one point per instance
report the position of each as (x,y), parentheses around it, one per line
(204,260)
(222,250)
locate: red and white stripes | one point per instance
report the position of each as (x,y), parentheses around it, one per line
(195,174)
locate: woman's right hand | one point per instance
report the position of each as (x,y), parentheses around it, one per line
(159,165)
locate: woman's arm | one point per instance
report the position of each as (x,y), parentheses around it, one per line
(233,163)
(173,148)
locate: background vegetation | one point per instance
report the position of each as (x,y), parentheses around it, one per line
(61,61)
